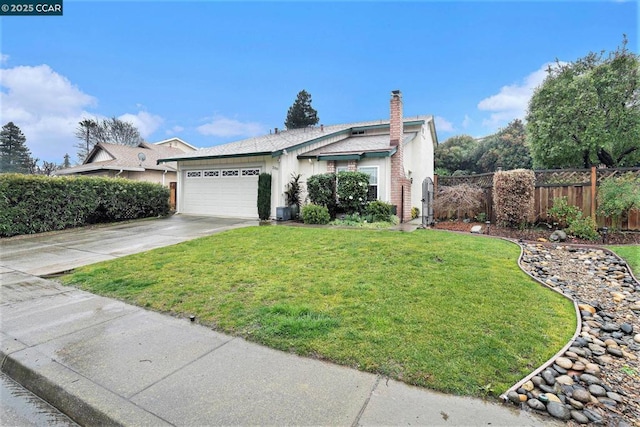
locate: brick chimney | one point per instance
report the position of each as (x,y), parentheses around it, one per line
(400,185)
(396,130)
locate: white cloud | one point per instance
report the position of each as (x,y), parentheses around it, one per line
(443,124)
(46,106)
(174,130)
(225,127)
(146,123)
(512,100)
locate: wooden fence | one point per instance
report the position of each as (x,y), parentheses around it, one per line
(579,186)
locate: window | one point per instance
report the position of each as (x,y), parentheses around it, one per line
(230,172)
(251,172)
(194,174)
(211,174)
(372,171)
(342,169)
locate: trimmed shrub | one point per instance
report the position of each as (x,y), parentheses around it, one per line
(314,214)
(352,189)
(322,191)
(264,196)
(618,195)
(379,211)
(35,203)
(461,199)
(513,196)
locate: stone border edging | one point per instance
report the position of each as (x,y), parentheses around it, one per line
(550,361)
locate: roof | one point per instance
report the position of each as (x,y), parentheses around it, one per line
(125,158)
(357,147)
(175,138)
(274,144)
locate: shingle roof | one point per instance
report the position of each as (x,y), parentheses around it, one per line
(126,158)
(274,143)
(358,144)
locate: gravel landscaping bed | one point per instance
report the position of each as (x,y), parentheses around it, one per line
(597,380)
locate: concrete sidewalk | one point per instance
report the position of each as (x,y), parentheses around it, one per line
(104,362)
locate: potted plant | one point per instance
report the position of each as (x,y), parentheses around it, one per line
(292,194)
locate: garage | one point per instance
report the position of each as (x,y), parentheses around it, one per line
(221,191)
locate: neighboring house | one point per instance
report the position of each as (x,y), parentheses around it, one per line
(176,143)
(137,163)
(397,154)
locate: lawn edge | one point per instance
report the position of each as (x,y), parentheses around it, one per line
(550,361)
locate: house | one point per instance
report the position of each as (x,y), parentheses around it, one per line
(396,153)
(138,163)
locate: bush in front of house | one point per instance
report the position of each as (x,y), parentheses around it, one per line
(352,189)
(379,211)
(321,189)
(264,196)
(513,197)
(36,203)
(315,214)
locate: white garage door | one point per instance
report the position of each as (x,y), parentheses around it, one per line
(224,191)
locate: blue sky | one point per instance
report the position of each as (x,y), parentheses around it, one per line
(213,72)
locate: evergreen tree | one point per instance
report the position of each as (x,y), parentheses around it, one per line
(67,161)
(587,112)
(14,154)
(301,114)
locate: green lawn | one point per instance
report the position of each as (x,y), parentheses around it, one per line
(631,254)
(446,311)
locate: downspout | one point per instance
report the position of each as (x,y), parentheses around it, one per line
(118,173)
(163,174)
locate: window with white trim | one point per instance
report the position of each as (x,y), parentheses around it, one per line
(372,171)
(251,172)
(230,172)
(194,174)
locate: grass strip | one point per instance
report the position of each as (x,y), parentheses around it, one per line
(631,254)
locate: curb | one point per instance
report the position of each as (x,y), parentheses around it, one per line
(82,400)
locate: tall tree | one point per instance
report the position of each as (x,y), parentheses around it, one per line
(113,130)
(301,114)
(454,156)
(588,112)
(507,149)
(14,154)
(86,133)
(67,161)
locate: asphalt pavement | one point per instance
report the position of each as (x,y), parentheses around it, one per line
(104,362)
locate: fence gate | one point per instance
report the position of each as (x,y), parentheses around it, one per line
(427,202)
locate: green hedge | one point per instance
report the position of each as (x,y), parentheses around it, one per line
(34,203)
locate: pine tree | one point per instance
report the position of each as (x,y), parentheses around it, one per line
(14,154)
(67,161)
(301,114)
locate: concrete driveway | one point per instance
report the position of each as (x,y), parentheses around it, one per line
(51,253)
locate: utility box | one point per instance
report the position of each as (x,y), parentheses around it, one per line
(283,213)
